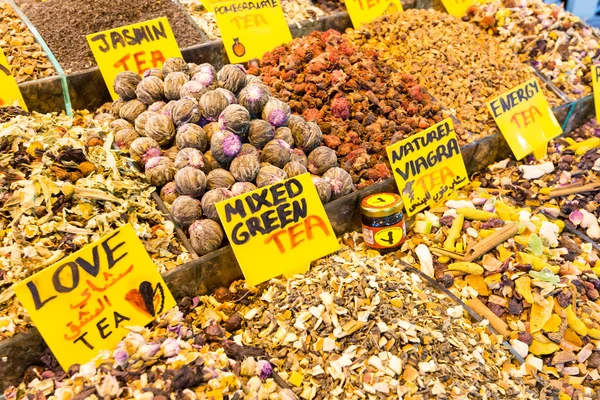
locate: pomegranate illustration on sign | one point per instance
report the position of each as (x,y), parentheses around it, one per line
(238,48)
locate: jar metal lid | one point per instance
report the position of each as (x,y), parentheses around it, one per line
(381,205)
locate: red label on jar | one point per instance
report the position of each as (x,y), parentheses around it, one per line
(385,237)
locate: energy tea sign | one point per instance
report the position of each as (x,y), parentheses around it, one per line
(428,166)
(278,229)
(82,304)
(136,47)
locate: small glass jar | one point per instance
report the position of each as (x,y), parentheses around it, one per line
(383,224)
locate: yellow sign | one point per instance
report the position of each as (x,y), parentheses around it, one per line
(278,229)
(525,119)
(250,28)
(364,11)
(10,95)
(596,86)
(136,47)
(458,8)
(428,166)
(82,304)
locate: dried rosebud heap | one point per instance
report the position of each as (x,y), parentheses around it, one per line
(174,64)
(224,146)
(219,178)
(150,90)
(260,133)
(206,236)
(239,188)
(284,133)
(212,105)
(307,136)
(160,128)
(185,111)
(211,198)
(141,120)
(131,109)
(190,181)
(244,168)
(159,171)
(321,159)
(168,193)
(119,124)
(299,156)
(294,168)
(340,182)
(173,84)
(340,107)
(254,97)
(143,149)
(232,77)
(235,118)
(323,188)
(269,174)
(125,137)
(185,210)
(276,112)
(191,135)
(276,152)
(125,84)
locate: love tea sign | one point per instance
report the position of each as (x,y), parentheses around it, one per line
(136,47)
(278,229)
(428,166)
(82,304)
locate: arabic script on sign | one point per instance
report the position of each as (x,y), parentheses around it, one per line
(82,304)
(428,166)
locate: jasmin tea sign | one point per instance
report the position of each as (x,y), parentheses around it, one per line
(278,229)
(136,47)
(83,303)
(428,166)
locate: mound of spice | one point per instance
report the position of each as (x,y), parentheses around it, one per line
(356,326)
(295,11)
(63,188)
(459,64)
(557,42)
(360,103)
(66,37)
(539,281)
(24,55)
(174,358)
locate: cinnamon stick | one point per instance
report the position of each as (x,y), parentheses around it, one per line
(484,312)
(487,244)
(574,189)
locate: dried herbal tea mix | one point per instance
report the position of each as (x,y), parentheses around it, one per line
(203,136)
(295,11)
(556,41)
(509,247)
(360,103)
(353,327)
(459,64)
(24,55)
(66,37)
(62,188)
